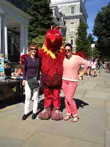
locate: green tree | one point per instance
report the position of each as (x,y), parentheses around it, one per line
(102,31)
(39,40)
(41,18)
(90,38)
(82,43)
(95,53)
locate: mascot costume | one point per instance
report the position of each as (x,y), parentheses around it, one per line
(52,55)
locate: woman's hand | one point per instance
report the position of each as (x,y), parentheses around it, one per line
(23,83)
(81,74)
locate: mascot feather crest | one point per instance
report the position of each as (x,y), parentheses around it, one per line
(53,42)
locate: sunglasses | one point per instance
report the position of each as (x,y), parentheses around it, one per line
(68,50)
(33,49)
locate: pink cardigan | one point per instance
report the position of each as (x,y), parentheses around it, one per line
(71,67)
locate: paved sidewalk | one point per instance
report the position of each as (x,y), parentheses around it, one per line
(92,129)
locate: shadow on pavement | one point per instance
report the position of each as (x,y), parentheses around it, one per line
(79,103)
(11,101)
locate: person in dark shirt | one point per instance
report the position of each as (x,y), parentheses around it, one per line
(7,89)
(7,69)
(31,70)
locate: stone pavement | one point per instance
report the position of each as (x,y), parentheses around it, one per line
(92,130)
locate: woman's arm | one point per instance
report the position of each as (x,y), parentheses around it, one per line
(39,69)
(25,69)
(24,72)
(85,63)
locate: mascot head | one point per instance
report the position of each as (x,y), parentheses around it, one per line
(53,39)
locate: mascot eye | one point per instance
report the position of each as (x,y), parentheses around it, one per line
(48,34)
(57,34)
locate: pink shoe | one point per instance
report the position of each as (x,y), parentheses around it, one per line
(56,115)
(45,114)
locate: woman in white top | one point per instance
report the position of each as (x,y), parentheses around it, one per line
(93,68)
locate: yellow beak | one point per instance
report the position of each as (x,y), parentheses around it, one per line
(52,40)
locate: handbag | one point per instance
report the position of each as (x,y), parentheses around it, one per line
(33,82)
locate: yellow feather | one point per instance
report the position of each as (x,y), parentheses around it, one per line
(51,53)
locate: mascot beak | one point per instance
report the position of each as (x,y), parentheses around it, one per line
(52,40)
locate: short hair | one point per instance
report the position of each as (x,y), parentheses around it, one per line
(68,44)
(32,45)
(36,47)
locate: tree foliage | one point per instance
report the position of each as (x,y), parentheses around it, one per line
(41,18)
(82,43)
(90,39)
(95,53)
(102,31)
(39,40)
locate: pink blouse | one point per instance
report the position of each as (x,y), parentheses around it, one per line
(71,67)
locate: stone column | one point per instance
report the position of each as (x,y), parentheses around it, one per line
(22,39)
(26,38)
(5,37)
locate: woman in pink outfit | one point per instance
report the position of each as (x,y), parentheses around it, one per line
(71,66)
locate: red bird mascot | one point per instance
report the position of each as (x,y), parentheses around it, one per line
(52,55)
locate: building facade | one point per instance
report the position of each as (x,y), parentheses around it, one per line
(13,31)
(59,19)
(74,12)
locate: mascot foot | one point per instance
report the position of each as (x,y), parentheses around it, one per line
(45,114)
(56,114)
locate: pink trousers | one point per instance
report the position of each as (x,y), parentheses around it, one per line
(69,88)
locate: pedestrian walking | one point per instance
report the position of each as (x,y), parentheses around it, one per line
(94,68)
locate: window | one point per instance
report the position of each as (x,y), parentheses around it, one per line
(58,19)
(72,41)
(72,10)
(72,26)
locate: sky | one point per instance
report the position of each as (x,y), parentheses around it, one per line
(92,8)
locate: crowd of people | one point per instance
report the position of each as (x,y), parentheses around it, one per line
(94,69)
